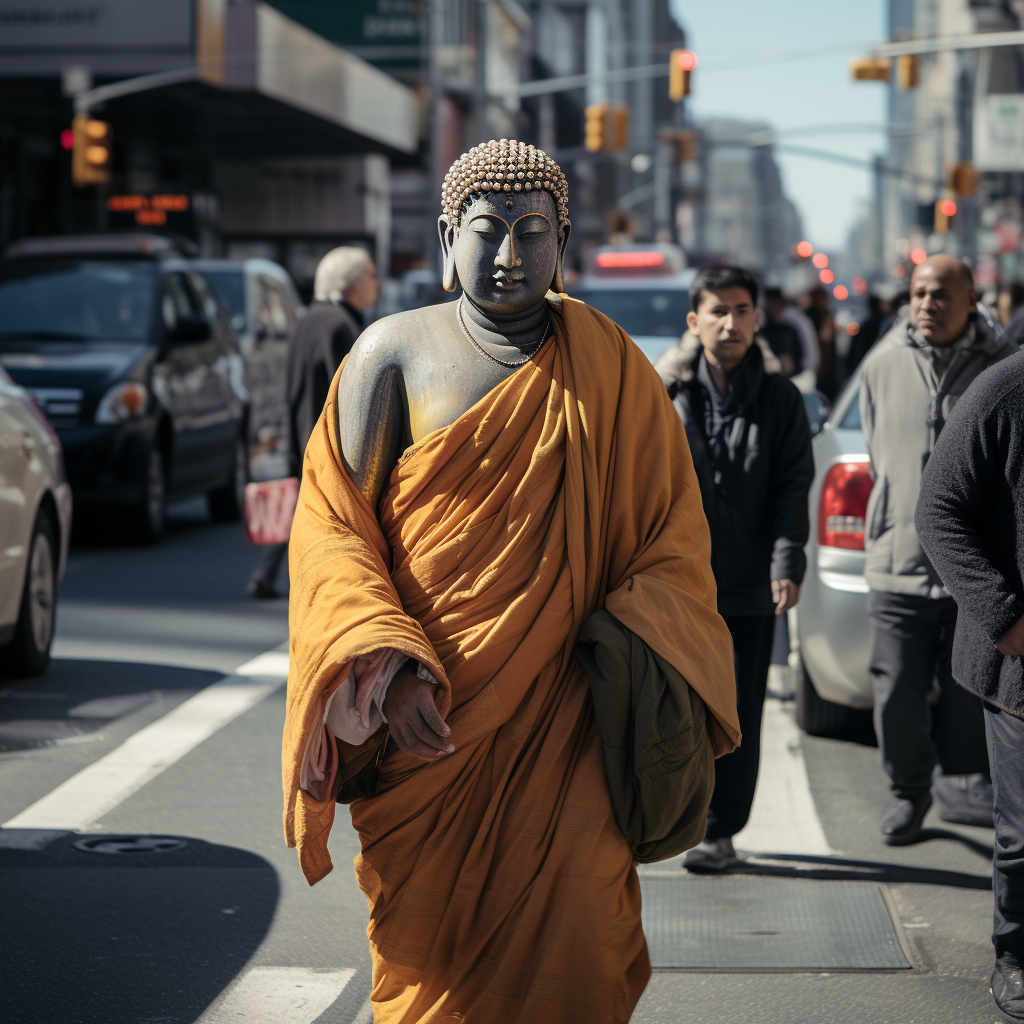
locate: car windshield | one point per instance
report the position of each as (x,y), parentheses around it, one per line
(75,300)
(641,312)
(230,288)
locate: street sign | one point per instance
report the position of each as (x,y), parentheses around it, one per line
(999,132)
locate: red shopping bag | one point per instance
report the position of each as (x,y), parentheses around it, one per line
(269,507)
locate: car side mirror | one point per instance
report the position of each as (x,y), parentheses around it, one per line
(190,327)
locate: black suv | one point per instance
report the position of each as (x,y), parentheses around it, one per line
(128,351)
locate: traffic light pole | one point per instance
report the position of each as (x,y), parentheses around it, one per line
(91,98)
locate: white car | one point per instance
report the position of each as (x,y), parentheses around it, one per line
(830,630)
(645,289)
(35,527)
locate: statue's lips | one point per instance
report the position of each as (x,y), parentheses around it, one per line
(507,284)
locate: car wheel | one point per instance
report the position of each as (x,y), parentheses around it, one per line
(228,502)
(28,653)
(820,717)
(148,516)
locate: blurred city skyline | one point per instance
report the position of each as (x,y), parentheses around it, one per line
(795,93)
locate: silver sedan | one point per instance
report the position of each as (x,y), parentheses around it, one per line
(830,632)
(35,526)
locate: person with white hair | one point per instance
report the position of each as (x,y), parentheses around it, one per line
(345,286)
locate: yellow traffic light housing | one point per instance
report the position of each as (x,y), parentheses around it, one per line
(941,223)
(596,127)
(90,151)
(606,127)
(908,71)
(963,179)
(685,142)
(620,126)
(870,69)
(680,64)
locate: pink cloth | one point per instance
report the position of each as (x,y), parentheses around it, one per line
(353,713)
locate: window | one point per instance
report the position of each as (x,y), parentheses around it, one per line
(71,300)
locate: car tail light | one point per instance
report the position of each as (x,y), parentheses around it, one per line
(844,505)
(630,259)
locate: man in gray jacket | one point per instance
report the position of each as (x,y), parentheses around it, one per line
(910,382)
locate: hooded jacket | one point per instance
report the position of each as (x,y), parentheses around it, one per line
(903,407)
(751,449)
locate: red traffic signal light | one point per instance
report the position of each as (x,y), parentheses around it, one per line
(680,64)
(947,207)
(804,249)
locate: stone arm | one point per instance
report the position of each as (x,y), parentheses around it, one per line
(372,418)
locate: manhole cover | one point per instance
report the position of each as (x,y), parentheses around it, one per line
(768,924)
(129,844)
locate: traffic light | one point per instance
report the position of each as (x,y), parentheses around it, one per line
(944,210)
(596,122)
(870,69)
(963,179)
(90,151)
(680,64)
(620,126)
(908,71)
(606,127)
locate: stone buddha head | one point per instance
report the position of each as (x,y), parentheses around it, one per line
(505,226)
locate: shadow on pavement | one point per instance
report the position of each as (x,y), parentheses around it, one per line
(794,865)
(77,698)
(148,930)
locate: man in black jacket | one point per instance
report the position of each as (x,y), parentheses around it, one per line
(344,288)
(970,518)
(751,446)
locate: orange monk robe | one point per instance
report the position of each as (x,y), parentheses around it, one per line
(499,886)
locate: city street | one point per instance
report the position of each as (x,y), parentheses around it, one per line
(156,889)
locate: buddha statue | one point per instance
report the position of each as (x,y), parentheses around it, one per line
(504,227)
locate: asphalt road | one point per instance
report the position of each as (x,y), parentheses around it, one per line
(144,880)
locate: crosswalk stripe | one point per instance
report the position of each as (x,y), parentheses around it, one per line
(284,995)
(94,791)
(783,818)
(364,1015)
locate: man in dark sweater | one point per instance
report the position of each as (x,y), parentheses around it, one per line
(751,447)
(344,288)
(970,518)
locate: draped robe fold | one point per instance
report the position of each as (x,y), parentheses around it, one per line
(499,885)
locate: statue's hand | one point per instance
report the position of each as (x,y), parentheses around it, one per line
(413,719)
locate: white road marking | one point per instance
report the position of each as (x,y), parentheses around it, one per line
(284,995)
(270,663)
(783,818)
(364,1015)
(94,791)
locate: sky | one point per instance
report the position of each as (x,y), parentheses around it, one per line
(795,93)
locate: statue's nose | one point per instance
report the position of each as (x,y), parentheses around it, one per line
(506,256)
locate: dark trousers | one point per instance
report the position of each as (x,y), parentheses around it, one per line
(736,773)
(922,717)
(1005,735)
(268,563)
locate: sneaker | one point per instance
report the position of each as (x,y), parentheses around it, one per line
(964,799)
(711,855)
(1007,988)
(901,823)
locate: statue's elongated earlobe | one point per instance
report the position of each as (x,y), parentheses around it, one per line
(449,275)
(558,284)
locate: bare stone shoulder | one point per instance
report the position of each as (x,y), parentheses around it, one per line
(393,341)
(373,418)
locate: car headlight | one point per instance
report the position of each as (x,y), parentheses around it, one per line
(122,401)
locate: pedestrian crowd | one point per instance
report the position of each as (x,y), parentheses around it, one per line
(941,396)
